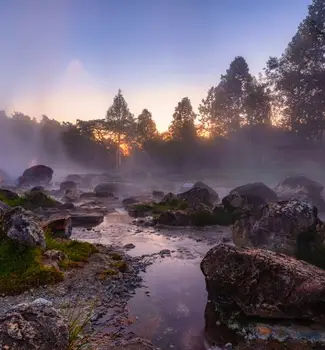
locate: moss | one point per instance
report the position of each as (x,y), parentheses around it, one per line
(223,217)
(21,268)
(116,256)
(31,201)
(311,249)
(107,273)
(75,251)
(158,208)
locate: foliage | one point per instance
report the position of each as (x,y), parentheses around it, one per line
(298,77)
(236,101)
(182,126)
(31,200)
(146,128)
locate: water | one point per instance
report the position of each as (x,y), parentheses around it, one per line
(169,308)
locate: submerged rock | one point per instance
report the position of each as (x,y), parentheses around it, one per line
(277,228)
(36,175)
(33,326)
(23,227)
(302,188)
(264,284)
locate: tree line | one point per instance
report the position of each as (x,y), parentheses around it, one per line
(287,99)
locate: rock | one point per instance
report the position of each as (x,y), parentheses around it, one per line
(36,175)
(107,189)
(68,185)
(3,208)
(60,226)
(87,195)
(129,246)
(302,188)
(71,195)
(169,198)
(249,197)
(38,189)
(131,200)
(38,199)
(52,258)
(175,218)
(158,195)
(76,178)
(213,194)
(196,196)
(277,228)
(33,326)
(68,205)
(23,227)
(86,220)
(264,284)
(6,194)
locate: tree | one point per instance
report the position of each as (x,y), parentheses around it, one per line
(298,77)
(257,104)
(223,111)
(182,126)
(146,127)
(120,123)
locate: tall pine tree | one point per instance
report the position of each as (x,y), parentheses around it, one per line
(120,124)
(298,77)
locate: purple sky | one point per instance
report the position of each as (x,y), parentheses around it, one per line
(67,58)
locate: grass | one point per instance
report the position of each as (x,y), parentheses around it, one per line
(21,268)
(76,252)
(158,208)
(31,200)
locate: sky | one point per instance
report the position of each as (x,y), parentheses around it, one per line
(68,58)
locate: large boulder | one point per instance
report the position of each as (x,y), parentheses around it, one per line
(249,197)
(68,185)
(23,227)
(107,189)
(213,194)
(264,284)
(197,196)
(175,218)
(36,175)
(33,326)
(277,228)
(302,188)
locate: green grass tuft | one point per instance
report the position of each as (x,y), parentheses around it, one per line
(75,251)
(21,268)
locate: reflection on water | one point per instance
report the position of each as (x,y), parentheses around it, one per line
(172,315)
(169,309)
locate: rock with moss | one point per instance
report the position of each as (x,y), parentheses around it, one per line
(38,199)
(33,326)
(36,175)
(263,284)
(23,227)
(302,188)
(277,228)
